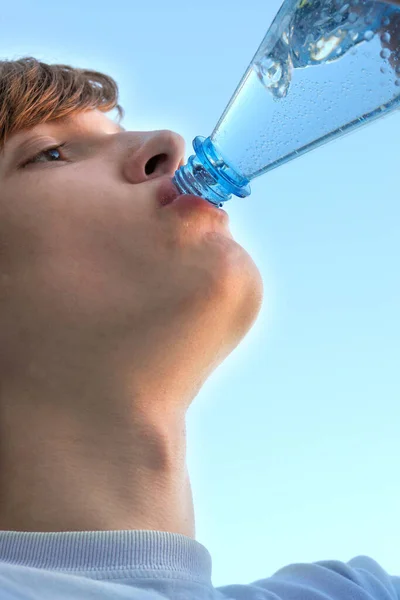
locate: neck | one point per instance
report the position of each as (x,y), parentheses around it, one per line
(58,474)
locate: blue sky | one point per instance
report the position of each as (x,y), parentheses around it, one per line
(293,443)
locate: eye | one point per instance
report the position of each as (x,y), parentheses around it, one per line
(44,152)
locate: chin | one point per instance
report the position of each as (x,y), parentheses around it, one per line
(240,279)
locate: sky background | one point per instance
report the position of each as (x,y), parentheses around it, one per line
(293,443)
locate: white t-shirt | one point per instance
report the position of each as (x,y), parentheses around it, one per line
(156,565)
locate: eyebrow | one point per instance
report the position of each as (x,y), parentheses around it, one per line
(23,143)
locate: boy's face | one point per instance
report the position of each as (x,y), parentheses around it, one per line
(91,261)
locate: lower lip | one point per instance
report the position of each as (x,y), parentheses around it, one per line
(190,201)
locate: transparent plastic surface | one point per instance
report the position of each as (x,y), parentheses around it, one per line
(324,68)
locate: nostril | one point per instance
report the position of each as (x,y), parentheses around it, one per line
(153,162)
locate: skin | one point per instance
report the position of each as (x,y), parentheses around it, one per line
(114,311)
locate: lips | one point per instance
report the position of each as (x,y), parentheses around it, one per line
(167,192)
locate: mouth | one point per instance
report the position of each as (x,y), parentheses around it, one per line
(168,193)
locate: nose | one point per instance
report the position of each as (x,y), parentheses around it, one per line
(160,153)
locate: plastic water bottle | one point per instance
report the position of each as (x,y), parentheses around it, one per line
(324,68)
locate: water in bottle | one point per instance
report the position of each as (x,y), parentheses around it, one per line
(324,68)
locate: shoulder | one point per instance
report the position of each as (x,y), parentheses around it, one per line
(361,578)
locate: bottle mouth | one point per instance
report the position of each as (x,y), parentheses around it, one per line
(209,176)
(187,184)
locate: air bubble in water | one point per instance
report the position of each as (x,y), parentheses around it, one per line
(368,35)
(271,70)
(385,53)
(352,17)
(275,73)
(383,70)
(385,38)
(385,21)
(397,82)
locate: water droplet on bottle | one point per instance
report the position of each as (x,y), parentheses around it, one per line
(368,35)
(398,70)
(352,17)
(385,53)
(353,34)
(397,82)
(385,38)
(383,70)
(368,19)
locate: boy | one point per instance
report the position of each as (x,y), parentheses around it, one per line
(116,306)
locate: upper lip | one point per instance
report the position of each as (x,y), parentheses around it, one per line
(167,192)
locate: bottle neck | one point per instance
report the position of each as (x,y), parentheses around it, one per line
(208,175)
